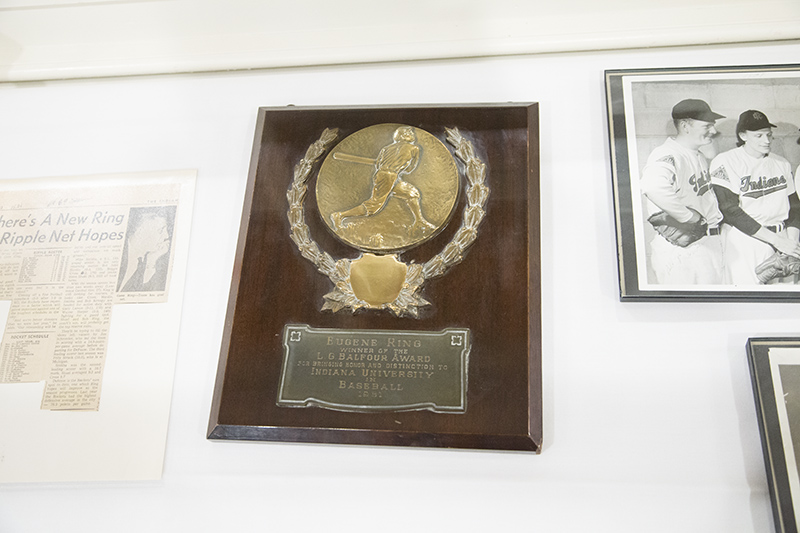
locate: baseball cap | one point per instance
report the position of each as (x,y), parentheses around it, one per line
(752,120)
(696,109)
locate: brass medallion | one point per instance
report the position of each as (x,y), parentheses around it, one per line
(387,187)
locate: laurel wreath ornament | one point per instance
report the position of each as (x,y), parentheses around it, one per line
(409,300)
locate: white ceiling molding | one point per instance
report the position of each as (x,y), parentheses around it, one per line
(56,39)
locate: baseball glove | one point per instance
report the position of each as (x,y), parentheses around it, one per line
(678,233)
(778,265)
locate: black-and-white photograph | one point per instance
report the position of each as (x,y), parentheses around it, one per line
(704,162)
(146,257)
(775,373)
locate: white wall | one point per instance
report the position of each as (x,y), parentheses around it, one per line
(57,39)
(649,417)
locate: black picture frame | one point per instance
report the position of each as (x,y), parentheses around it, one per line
(639,104)
(771,358)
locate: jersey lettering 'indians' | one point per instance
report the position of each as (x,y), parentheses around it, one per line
(757,195)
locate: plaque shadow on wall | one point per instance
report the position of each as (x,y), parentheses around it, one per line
(452,356)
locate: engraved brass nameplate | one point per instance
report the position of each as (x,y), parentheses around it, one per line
(375,370)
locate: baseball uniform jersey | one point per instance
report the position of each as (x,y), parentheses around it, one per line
(674,179)
(763,185)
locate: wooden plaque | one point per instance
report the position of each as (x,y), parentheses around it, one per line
(491,297)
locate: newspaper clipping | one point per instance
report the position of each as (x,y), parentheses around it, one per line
(66,257)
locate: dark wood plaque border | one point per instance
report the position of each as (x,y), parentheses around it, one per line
(495,291)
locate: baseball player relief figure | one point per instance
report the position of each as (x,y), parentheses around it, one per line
(387,187)
(758,198)
(394,160)
(687,248)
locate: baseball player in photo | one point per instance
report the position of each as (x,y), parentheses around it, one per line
(758,198)
(687,248)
